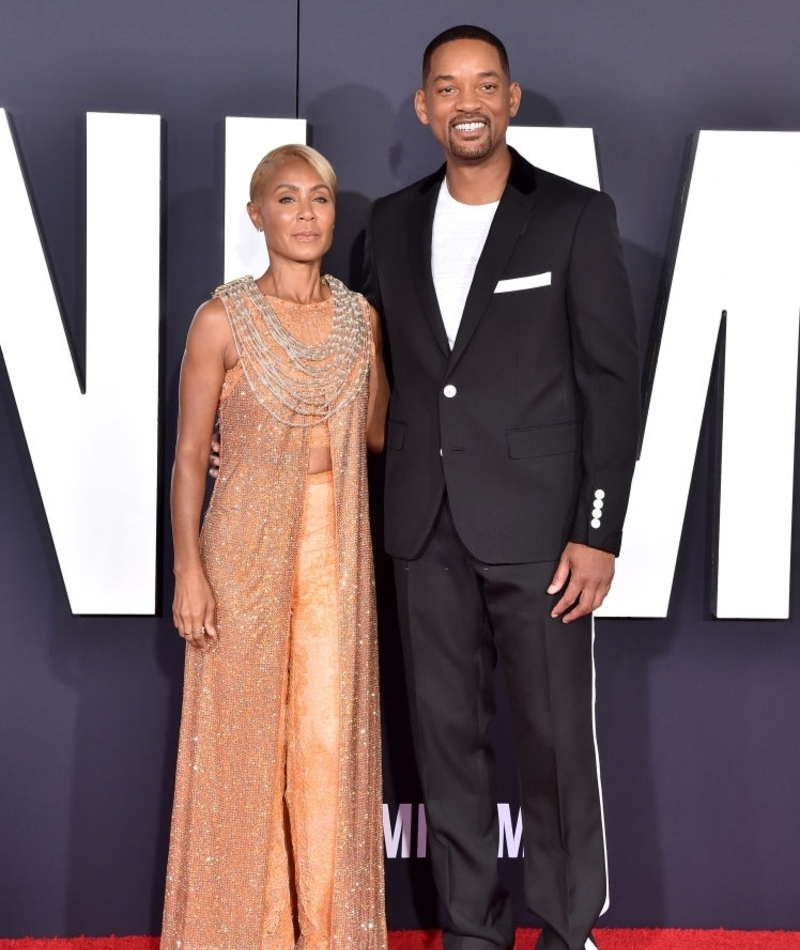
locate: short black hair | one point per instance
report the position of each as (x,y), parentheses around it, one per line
(464,32)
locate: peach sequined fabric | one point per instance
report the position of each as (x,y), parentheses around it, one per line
(230,877)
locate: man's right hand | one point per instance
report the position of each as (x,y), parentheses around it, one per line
(583,577)
(213,459)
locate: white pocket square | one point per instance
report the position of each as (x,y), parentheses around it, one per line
(523,283)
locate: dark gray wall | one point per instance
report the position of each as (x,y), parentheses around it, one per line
(698,719)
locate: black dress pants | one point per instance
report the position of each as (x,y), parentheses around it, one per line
(457,615)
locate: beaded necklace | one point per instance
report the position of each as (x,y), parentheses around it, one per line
(299,384)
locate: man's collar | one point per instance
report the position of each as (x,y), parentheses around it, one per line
(521,175)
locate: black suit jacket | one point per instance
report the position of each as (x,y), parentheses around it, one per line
(533,418)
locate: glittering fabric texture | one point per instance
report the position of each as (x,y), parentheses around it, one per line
(238,868)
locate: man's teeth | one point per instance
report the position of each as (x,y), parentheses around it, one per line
(470,126)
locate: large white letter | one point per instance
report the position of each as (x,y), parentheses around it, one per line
(568,152)
(95,455)
(739,252)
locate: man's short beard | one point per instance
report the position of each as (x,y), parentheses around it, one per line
(469,152)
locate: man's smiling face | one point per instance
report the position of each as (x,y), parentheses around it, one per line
(467,99)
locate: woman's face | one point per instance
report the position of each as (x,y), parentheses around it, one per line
(296,211)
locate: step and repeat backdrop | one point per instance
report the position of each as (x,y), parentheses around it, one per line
(126,140)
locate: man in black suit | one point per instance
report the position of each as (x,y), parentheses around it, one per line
(511,443)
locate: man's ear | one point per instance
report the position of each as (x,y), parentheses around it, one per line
(420,107)
(515,97)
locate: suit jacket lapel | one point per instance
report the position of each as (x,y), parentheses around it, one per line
(420,236)
(510,221)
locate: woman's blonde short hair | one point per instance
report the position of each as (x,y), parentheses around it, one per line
(285,153)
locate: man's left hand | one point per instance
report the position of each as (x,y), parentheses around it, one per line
(587,573)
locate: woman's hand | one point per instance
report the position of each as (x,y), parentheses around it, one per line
(209,353)
(194,611)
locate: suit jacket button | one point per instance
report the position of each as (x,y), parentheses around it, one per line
(449,390)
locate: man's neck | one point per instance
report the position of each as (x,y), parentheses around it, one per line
(479,183)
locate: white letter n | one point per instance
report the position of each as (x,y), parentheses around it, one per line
(95,454)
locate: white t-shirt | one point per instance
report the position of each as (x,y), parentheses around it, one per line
(459,233)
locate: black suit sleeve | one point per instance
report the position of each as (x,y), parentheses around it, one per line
(606,367)
(371,289)
(371,285)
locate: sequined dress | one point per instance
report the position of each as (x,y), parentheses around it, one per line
(227,883)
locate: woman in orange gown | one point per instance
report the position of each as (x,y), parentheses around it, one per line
(276,839)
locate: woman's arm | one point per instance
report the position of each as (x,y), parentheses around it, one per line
(378,389)
(209,352)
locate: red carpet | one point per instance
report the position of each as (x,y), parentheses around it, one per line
(608,938)
(623,939)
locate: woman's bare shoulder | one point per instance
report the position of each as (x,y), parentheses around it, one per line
(210,322)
